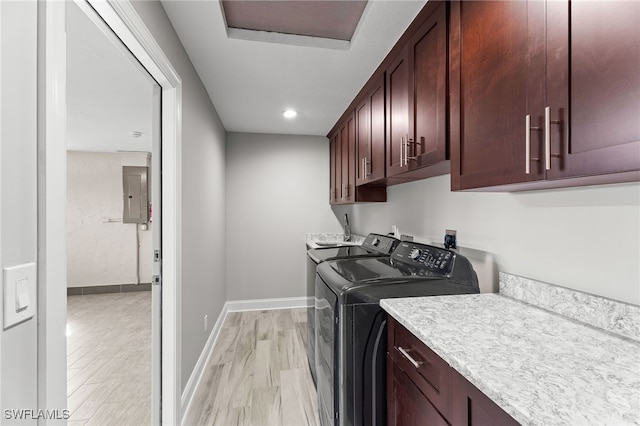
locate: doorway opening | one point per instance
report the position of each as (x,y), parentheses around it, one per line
(118,21)
(113,109)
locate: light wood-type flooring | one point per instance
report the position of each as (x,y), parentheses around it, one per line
(109,359)
(257,373)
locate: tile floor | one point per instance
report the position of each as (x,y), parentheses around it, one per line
(257,373)
(109,359)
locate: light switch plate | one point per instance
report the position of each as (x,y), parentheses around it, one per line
(19,293)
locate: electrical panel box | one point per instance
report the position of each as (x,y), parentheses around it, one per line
(135,194)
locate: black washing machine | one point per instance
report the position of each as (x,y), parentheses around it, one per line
(351,340)
(375,245)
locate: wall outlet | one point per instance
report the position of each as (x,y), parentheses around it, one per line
(450,239)
(206,323)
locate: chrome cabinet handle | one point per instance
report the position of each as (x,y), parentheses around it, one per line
(415,363)
(401,151)
(527,143)
(547,138)
(408,143)
(363,173)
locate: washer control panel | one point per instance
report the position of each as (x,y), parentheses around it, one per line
(380,243)
(435,259)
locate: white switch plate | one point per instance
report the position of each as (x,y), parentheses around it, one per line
(19,305)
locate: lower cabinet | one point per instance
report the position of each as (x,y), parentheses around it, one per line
(422,389)
(408,406)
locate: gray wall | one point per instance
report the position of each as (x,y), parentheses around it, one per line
(18,124)
(203,177)
(583,238)
(277,191)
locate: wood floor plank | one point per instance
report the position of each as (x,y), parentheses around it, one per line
(297,406)
(266,372)
(265,406)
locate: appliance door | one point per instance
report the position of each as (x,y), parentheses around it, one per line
(325,323)
(362,367)
(311,316)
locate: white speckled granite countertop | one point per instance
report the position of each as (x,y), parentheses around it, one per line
(541,367)
(313,239)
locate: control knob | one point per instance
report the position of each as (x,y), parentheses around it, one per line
(414,254)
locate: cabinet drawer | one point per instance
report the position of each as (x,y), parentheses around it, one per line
(428,371)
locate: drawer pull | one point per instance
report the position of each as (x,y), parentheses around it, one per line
(415,363)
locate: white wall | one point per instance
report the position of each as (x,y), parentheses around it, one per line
(18,222)
(101,250)
(584,238)
(277,191)
(203,211)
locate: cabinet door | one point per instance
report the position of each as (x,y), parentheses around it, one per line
(492,60)
(378,135)
(407,406)
(473,408)
(370,135)
(363,139)
(333,151)
(397,78)
(428,89)
(347,149)
(593,87)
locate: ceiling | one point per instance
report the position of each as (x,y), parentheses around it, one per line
(252,80)
(108,94)
(250,76)
(334,19)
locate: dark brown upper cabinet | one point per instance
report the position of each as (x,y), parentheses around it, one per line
(370,133)
(544,91)
(416,83)
(342,151)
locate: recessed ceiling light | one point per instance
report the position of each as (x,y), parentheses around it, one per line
(290,113)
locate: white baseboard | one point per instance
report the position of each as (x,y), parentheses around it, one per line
(266,304)
(196,374)
(230,306)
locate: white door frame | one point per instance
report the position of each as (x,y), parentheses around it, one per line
(122,18)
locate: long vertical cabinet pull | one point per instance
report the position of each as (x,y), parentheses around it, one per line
(547,137)
(408,143)
(527,144)
(401,151)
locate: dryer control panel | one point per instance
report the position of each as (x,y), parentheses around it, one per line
(380,243)
(434,259)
